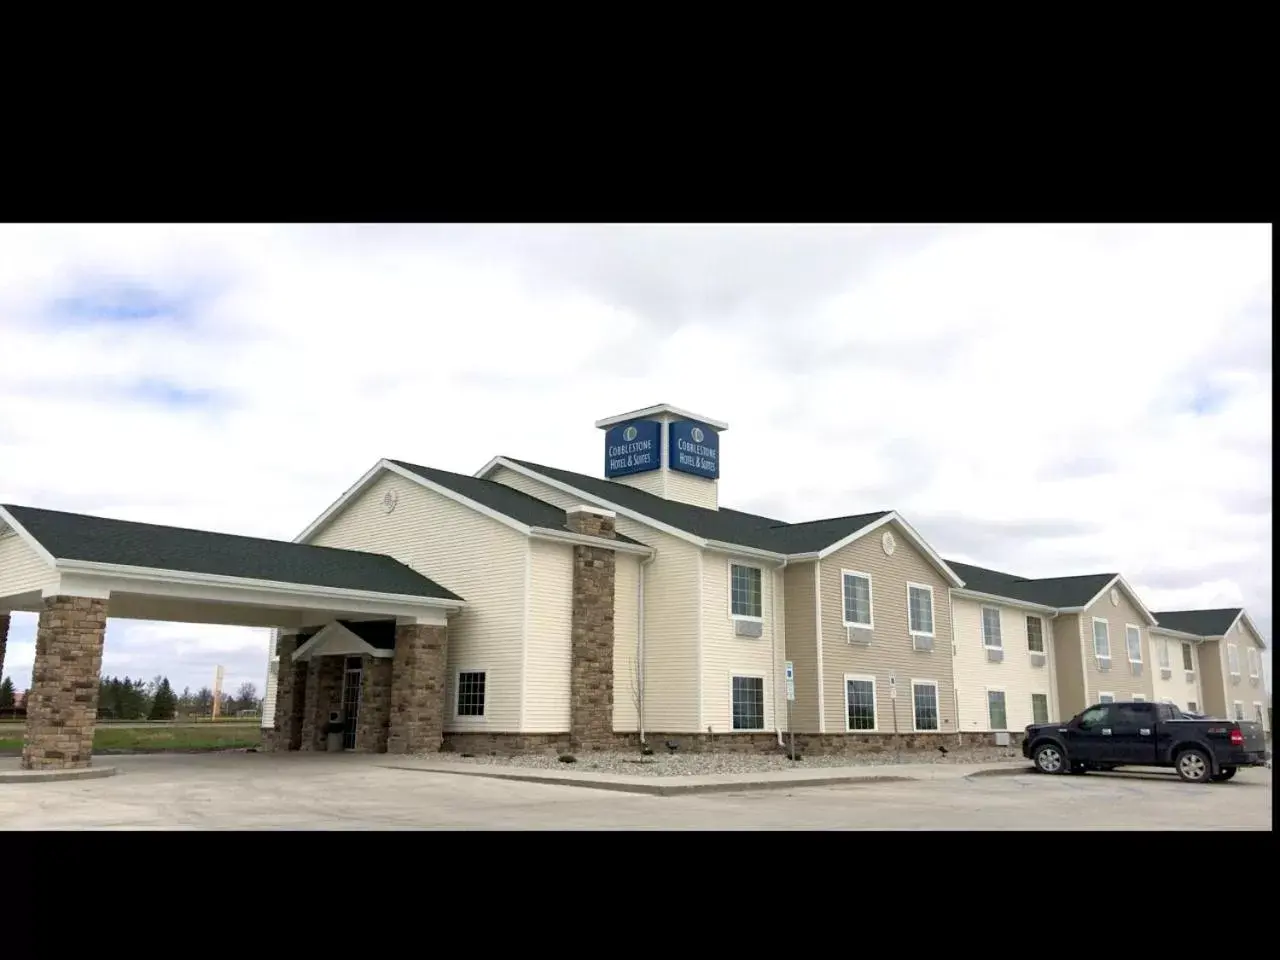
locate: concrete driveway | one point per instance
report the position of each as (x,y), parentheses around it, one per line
(319,792)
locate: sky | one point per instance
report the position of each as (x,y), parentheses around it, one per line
(1044,400)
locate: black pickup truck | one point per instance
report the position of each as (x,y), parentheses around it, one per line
(1141,734)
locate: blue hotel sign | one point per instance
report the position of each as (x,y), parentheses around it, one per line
(632,448)
(693,448)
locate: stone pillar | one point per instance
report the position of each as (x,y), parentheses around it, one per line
(324,693)
(4,640)
(375,706)
(591,671)
(291,687)
(417,689)
(62,705)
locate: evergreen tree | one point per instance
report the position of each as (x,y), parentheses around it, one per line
(7,698)
(163,702)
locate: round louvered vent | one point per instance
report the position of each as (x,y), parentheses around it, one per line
(389,501)
(888,543)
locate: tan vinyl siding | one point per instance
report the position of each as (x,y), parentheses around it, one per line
(1120,680)
(1244,688)
(21,568)
(651,481)
(975,674)
(891,647)
(625,680)
(476,557)
(698,491)
(1211,657)
(547,657)
(1175,688)
(801,646)
(725,655)
(1068,665)
(672,590)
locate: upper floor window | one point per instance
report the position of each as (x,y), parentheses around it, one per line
(1233,659)
(1101,640)
(1253,661)
(857,599)
(1133,642)
(991,630)
(1163,653)
(1035,635)
(745,592)
(1188,664)
(920,609)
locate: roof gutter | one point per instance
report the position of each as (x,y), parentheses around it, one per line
(720,546)
(1007,601)
(564,536)
(93,568)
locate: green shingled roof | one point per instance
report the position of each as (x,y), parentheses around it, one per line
(74,536)
(1046,591)
(1202,623)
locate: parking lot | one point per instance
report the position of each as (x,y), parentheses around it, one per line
(260,791)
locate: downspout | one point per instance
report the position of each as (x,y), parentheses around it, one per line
(640,642)
(773,602)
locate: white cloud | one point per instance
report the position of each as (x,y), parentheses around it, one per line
(983,379)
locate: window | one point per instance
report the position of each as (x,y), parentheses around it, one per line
(1035,634)
(1039,708)
(1095,716)
(857,599)
(924,704)
(1162,654)
(1233,659)
(1253,662)
(1257,712)
(1191,706)
(996,715)
(471,693)
(745,597)
(1106,698)
(1237,710)
(748,703)
(1133,642)
(1188,664)
(1136,714)
(1101,640)
(860,702)
(991,627)
(920,609)
(1139,698)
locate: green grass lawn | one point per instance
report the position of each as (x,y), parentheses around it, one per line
(205,736)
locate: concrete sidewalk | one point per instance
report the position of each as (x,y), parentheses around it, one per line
(717,783)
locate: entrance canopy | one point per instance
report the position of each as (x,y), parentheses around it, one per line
(152,572)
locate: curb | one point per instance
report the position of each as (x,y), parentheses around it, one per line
(54,776)
(1001,772)
(661,789)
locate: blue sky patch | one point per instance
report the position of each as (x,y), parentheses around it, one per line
(164,393)
(116,302)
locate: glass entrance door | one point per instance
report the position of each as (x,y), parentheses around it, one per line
(351,678)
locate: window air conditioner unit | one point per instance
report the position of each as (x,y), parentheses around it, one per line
(1104,664)
(1165,673)
(1002,738)
(860,635)
(995,654)
(1191,676)
(1038,659)
(748,628)
(922,643)
(1136,667)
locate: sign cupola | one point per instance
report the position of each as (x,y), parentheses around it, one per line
(666,451)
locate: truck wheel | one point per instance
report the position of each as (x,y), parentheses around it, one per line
(1049,759)
(1226,774)
(1193,766)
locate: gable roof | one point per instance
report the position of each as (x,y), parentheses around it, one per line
(727,527)
(500,498)
(1202,623)
(100,540)
(1077,591)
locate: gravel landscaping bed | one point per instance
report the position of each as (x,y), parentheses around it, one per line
(702,764)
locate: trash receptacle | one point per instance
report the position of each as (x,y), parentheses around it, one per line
(335,742)
(334,731)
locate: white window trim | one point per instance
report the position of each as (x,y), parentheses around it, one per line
(871,600)
(933,614)
(982,625)
(1044,650)
(1251,654)
(764,700)
(729,573)
(937,704)
(1240,704)
(1260,713)
(1233,653)
(1106,693)
(1162,655)
(457,696)
(1139,698)
(875,707)
(1127,652)
(1004,693)
(1107,634)
(1187,646)
(1034,694)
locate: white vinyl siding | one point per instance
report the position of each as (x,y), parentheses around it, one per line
(857,599)
(21,569)
(1016,673)
(549,645)
(626,680)
(724,652)
(991,634)
(477,558)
